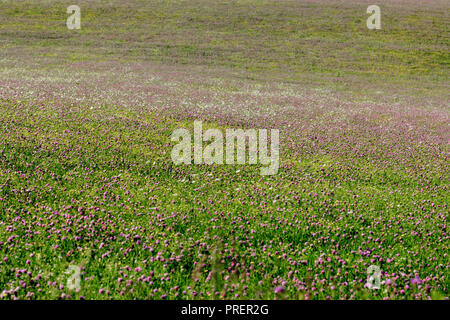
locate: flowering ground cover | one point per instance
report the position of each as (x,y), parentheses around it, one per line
(86,177)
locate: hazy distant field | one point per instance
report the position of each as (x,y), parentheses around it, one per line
(87,180)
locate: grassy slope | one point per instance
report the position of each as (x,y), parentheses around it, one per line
(290,41)
(101,171)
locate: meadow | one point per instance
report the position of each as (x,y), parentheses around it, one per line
(86,177)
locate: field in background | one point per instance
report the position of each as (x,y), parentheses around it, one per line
(86,177)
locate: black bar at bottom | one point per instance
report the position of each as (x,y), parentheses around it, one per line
(209,309)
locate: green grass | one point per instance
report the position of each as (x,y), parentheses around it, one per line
(86,177)
(60,161)
(283,41)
